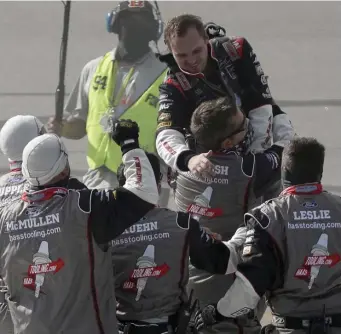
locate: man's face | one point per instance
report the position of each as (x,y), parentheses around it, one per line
(241,123)
(190,51)
(134,19)
(239,132)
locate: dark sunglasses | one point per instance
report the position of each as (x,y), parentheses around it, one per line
(242,127)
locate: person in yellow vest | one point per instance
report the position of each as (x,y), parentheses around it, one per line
(122,83)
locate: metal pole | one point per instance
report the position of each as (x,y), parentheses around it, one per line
(60,91)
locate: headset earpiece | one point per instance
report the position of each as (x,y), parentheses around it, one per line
(110,21)
(159,28)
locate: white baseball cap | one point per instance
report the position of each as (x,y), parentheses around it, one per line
(44,158)
(16,133)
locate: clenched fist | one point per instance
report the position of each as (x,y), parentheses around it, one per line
(125,133)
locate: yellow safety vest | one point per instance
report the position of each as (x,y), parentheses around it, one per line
(102,150)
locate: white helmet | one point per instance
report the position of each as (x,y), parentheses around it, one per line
(44,158)
(16,133)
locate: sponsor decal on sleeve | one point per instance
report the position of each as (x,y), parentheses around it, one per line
(234,48)
(164,106)
(163,117)
(163,125)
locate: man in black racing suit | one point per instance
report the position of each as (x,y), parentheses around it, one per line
(202,69)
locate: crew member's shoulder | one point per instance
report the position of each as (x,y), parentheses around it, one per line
(12,186)
(169,77)
(167,218)
(173,83)
(92,64)
(11,178)
(82,197)
(267,213)
(75,184)
(171,65)
(233,45)
(11,208)
(331,197)
(3,178)
(86,197)
(163,213)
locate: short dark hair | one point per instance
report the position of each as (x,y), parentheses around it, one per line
(154,161)
(303,160)
(212,122)
(179,25)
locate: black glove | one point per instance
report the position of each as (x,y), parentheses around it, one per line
(205,318)
(126,134)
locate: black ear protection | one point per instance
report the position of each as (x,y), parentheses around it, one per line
(156,23)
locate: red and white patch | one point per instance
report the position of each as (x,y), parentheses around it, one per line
(204,211)
(320,260)
(43,268)
(168,148)
(147,272)
(44,195)
(268,133)
(238,44)
(138,170)
(234,48)
(183,81)
(136,4)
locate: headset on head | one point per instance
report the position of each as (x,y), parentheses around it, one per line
(214,30)
(112,22)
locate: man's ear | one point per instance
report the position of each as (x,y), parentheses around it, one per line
(227,143)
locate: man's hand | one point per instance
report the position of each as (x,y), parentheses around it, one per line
(200,166)
(214,235)
(54,126)
(126,134)
(69,127)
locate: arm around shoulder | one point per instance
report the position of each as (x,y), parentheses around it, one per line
(173,118)
(261,256)
(206,252)
(283,130)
